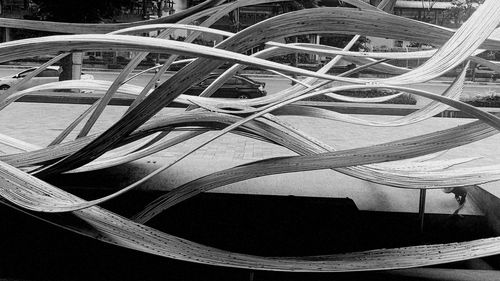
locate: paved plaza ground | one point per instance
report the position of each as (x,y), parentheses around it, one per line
(40,123)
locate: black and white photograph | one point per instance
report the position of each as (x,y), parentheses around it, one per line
(249,140)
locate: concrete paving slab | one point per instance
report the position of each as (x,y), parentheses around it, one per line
(40,123)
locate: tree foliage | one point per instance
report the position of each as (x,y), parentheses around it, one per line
(89,11)
(461,10)
(341,40)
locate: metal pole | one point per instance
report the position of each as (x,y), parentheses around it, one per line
(421,209)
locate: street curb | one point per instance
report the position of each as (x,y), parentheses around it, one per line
(249,73)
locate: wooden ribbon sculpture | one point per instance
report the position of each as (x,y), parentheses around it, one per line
(22,174)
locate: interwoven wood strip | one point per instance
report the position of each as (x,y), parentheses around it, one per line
(406,163)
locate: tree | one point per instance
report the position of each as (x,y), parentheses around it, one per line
(341,40)
(461,10)
(88,11)
(77,11)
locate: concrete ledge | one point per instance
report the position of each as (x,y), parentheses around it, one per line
(322,183)
(488,203)
(341,107)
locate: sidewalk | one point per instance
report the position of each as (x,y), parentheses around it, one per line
(257,73)
(40,123)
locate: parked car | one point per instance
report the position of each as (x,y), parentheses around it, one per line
(485,72)
(238,86)
(48,75)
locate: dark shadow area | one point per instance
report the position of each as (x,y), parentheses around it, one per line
(264,225)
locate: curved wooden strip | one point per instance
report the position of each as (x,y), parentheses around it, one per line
(117,230)
(41,207)
(362,5)
(97,85)
(465,134)
(135,61)
(491,65)
(195,72)
(190,38)
(460,46)
(185,61)
(122,159)
(151,27)
(83,28)
(237,174)
(73,124)
(429,110)
(17,144)
(328,50)
(382,179)
(30,75)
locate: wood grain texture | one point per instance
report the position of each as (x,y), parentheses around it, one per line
(390,163)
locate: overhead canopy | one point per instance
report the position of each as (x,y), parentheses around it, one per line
(423,5)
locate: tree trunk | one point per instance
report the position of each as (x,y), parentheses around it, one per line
(71,67)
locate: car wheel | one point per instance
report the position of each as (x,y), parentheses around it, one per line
(243,96)
(4,87)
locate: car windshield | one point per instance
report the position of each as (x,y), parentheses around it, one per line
(233,81)
(45,73)
(24,73)
(244,80)
(48,73)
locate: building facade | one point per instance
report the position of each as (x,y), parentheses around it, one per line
(433,11)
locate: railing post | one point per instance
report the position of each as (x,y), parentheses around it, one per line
(421,209)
